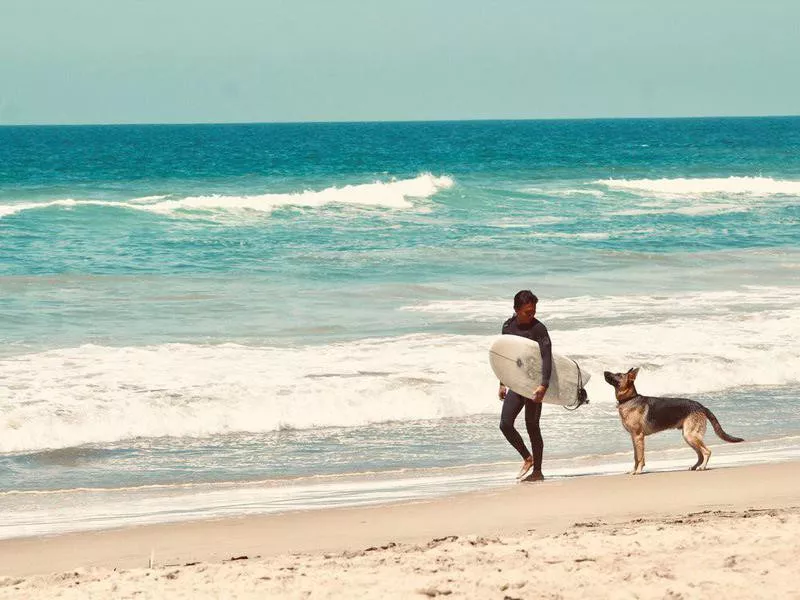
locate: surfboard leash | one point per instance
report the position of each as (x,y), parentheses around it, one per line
(580,400)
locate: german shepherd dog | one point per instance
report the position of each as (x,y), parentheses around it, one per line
(644,415)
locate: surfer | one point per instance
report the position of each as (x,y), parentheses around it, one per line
(524,323)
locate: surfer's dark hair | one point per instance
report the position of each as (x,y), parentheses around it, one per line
(524,297)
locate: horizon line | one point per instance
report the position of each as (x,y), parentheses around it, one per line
(407,121)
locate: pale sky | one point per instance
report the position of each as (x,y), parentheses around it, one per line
(193,61)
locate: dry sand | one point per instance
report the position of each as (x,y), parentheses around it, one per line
(725,533)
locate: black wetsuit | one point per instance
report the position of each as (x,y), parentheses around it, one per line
(513,403)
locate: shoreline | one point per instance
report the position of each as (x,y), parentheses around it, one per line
(541,509)
(40,513)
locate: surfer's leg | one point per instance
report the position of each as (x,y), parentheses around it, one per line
(512,405)
(533,412)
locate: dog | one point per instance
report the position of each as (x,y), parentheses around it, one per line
(645,415)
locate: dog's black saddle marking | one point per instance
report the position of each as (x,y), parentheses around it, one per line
(668,413)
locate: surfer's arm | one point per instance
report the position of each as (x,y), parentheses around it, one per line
(546,348)
(501,393)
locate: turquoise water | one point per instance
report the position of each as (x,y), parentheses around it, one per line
(198,316)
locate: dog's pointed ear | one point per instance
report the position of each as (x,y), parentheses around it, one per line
(632,373)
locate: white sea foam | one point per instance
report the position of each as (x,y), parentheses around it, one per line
(752,186)
(90,394)
(697,343)
(641,308)
(393,194)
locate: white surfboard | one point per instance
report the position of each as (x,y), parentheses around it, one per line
(517,362)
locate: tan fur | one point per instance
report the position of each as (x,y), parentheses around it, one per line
(694,428)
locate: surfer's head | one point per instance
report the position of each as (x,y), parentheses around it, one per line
(525,306)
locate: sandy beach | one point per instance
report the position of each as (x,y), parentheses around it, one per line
(728,532)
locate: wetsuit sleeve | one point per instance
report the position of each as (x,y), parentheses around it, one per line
(545,346)
(504,329)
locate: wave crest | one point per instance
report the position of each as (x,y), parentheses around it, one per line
(394,194)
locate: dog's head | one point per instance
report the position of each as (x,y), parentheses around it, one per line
(623,383)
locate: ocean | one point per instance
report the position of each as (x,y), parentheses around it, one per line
(210,320)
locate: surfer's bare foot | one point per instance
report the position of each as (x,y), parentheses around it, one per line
(535,476)
(526,466)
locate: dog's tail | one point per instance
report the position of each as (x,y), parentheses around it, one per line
(718,428)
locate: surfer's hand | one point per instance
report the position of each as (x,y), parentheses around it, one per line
(502,392)
(538,395)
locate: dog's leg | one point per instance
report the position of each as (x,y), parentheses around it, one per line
(694,428)
(635,456)
(695,447)
(638,453)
